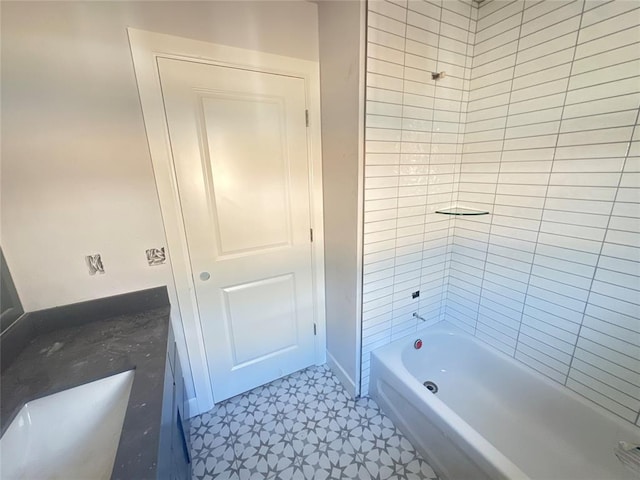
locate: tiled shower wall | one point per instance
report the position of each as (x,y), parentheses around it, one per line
(545,125)
(414,128)
(551,277)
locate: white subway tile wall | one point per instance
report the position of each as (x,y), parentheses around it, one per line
(536,122)
(414,133)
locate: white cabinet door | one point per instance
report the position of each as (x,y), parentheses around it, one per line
(239,144)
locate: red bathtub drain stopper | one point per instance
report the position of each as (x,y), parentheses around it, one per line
(417,344)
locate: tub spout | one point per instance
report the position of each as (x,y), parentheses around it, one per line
(415,314)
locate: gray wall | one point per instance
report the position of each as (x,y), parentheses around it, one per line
(340,80)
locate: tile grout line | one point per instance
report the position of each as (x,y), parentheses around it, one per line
(539,58)
(451,233)
(426,200)
(422,15)
(544,203)
(595,268)
(397,197)
(452,224)
(557,305)
(358,386)
(504,134)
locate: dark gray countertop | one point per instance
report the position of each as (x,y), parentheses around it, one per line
(68,357)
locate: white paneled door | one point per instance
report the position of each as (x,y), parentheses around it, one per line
(239,146)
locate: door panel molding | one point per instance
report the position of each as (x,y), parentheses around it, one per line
(146,48)
(248,352)
(209,165)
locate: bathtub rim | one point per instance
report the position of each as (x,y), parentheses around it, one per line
(391,358)
(482,451)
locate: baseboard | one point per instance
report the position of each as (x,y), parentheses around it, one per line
(338,371)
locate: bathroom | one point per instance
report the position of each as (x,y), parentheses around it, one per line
(521,112)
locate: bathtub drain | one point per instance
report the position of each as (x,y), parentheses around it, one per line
(432,387)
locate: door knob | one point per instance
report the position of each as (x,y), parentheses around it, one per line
(204,276)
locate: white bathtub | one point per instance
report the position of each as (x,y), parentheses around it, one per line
(492,417)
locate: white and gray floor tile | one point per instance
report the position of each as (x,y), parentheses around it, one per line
(304,426)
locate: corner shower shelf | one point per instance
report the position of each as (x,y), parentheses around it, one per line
(461,211)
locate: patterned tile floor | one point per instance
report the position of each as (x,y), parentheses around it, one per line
(304,426)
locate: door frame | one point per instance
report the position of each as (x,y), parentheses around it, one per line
(146,47)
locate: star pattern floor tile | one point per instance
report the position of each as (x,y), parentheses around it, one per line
(301,427)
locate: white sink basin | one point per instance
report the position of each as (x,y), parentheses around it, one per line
(73,434)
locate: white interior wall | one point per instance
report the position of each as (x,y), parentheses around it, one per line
(76,172)
(341,45)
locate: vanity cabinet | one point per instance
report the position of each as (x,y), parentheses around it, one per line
(174,461)
(96,339)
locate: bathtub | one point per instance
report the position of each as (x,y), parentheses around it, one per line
(492,417)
